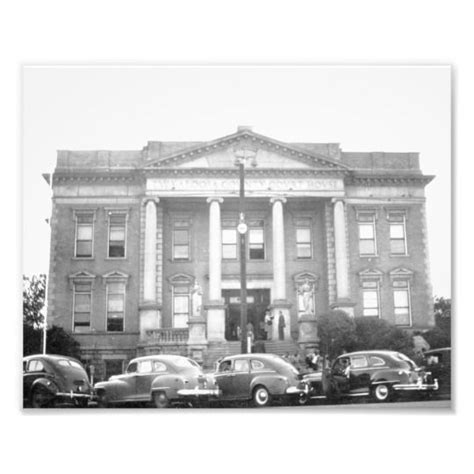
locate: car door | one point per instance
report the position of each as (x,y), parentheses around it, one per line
(241,379)
(359,374)
(144,378)
(224,378)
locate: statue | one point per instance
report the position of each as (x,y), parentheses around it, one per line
(196,296)
(306,292)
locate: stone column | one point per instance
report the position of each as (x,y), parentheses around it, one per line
(150,314)
(342,262)
(215,306)
(279,302)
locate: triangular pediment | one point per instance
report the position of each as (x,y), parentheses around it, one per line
(267,153)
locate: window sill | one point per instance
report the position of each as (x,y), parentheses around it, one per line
(82,258)
(402,255)
(115,258)
(369,256)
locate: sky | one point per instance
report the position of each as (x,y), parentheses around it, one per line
(392,109)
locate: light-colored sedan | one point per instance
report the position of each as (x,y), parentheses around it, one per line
(160,379)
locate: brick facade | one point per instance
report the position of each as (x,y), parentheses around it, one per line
(179,177)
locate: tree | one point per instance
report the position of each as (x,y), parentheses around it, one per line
(440,335)
(336,332)
(374,333)
(34,290)
(58,341)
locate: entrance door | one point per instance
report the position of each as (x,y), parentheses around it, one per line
(257,303)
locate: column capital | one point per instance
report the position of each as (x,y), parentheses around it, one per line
(148,199)
(275,199)
(338,199)
(215,198)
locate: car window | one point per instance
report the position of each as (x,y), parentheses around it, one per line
(241,365)
(376,361)
(132,368)
(144,367)
(225,366)
(69,363)
(159,366)
(257,365)
(358,362)
(36,366)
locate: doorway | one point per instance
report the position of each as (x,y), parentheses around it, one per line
(257,303)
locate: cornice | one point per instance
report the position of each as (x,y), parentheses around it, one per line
(97,177)
(387,180)
(249,173)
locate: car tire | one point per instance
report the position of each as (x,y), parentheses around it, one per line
(102,400)
(261,396)
(302,399)
(382,392)
(40,398)
(161,400)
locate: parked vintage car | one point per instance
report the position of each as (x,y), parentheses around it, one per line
(160,379)
(54,381)
(438,362)
(260,378)
(378,374)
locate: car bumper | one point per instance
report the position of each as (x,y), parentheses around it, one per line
(297,390)
(424,387)
(199,392)
(74,395)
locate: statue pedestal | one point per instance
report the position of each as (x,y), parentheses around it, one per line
(197,341)
(308,332)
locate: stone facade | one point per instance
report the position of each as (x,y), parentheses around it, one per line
(134,231)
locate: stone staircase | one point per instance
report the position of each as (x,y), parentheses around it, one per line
(218,350)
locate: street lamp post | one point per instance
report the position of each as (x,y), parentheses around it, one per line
(242,155)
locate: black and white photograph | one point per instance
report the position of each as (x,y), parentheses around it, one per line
(237,237)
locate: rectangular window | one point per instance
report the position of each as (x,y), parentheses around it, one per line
(115,307)
(82,307)
(401,303)
(117,235)
(256,240)
(398,243)
(181,240)
(180,306)
(84,235)
(303,238)
(229,243)
(367,241)
(371,299)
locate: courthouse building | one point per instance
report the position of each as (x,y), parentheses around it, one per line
(145,248)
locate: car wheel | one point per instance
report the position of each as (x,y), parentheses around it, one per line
(261,396)
(381,392)
(302,399)
(161,400)
(102,400)
(40,398)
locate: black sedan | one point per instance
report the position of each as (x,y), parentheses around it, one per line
(380,375)
(54,381)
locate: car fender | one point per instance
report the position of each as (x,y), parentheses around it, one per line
(389,377)
(45,383)
(276,384)
(169,383)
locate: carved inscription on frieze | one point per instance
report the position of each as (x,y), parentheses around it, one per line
(231,186)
